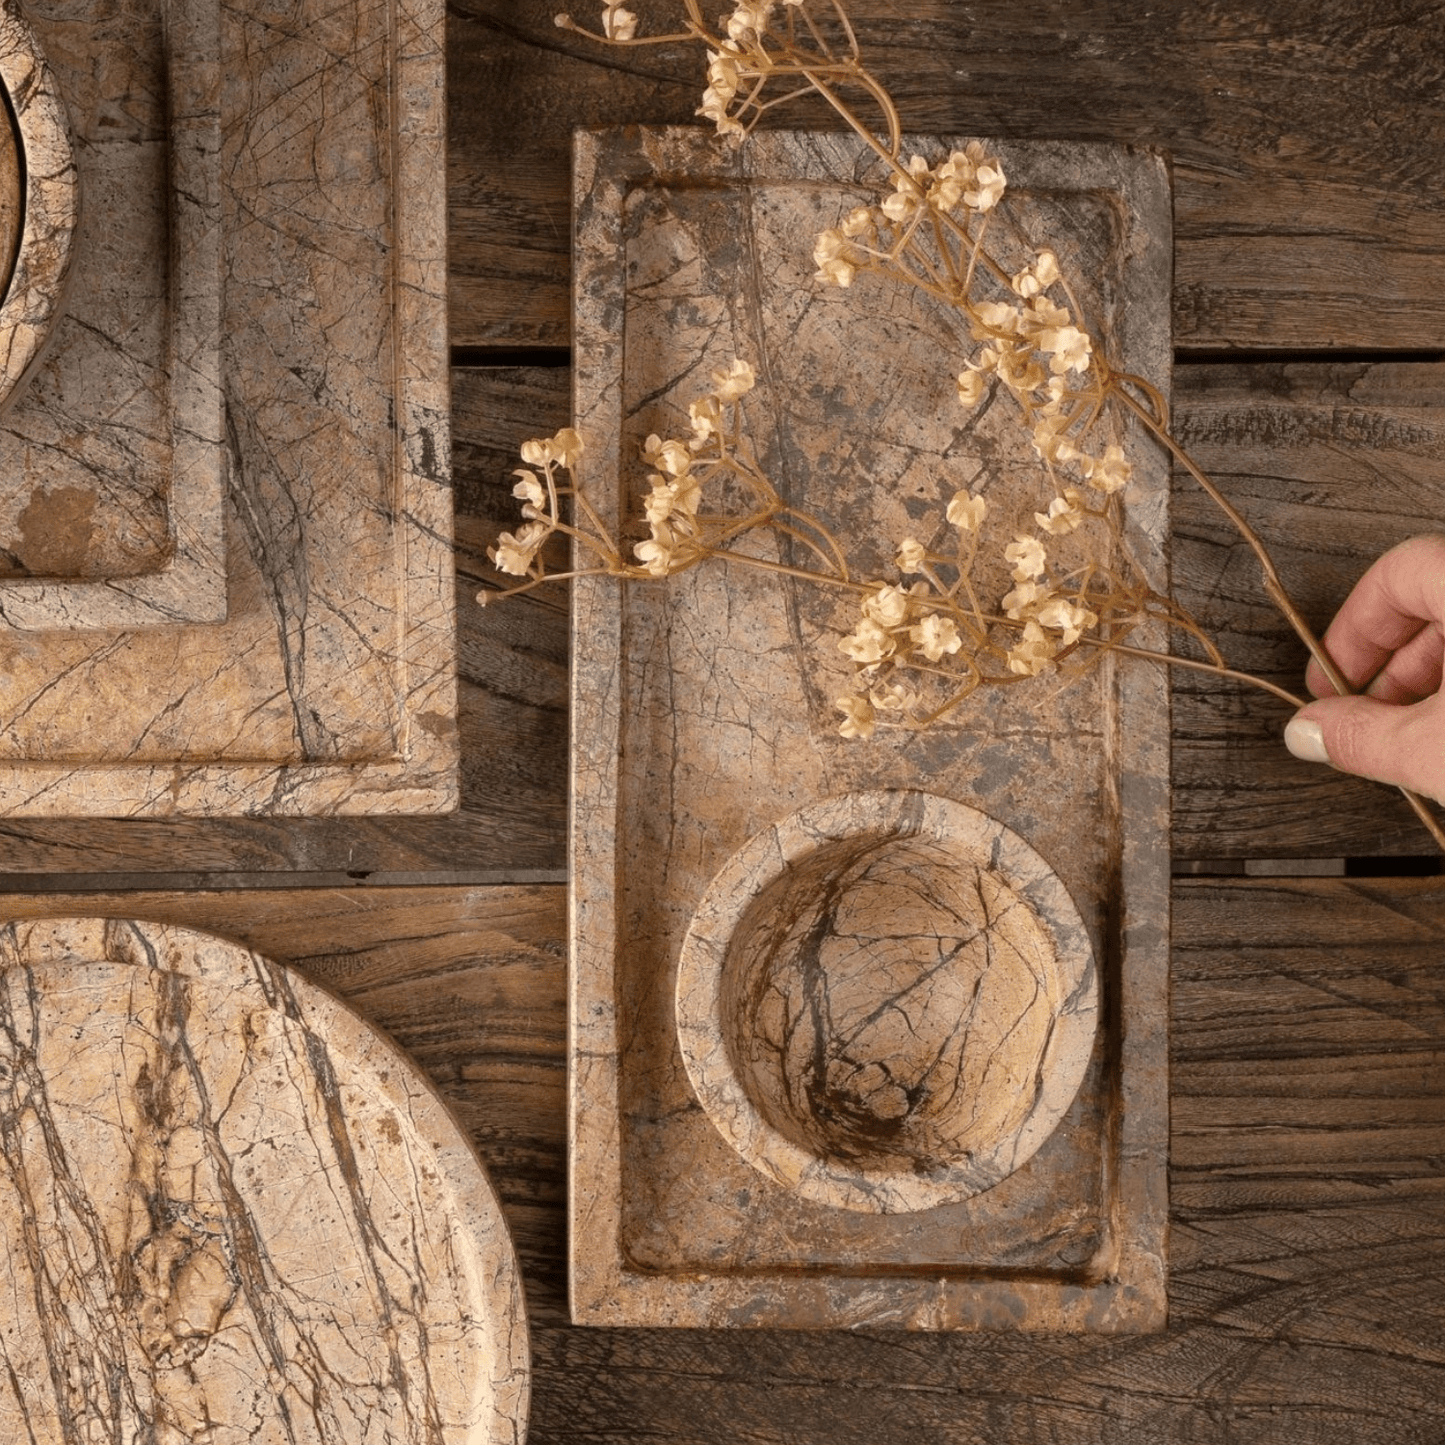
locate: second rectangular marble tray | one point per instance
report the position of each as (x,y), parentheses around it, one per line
(705,726)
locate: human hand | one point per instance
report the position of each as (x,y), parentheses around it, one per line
(1388,641)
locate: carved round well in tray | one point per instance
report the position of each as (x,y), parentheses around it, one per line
(231,1211)
(886,1002)
(39,202)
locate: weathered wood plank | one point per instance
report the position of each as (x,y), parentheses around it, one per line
(1307,210)
(1333,465)
(1308,1218)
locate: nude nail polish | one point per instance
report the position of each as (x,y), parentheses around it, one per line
(1306,739)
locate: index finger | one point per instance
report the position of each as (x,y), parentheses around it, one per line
(1401,594)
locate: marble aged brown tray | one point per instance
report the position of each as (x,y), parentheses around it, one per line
(997,1157)
(111,492)
(233,1211)
(226,576)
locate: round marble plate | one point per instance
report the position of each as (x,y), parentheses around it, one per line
(886,1002)
(232,1213)
(39,203)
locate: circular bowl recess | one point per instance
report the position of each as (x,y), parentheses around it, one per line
(886,1002)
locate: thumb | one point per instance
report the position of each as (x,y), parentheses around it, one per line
(1384,741)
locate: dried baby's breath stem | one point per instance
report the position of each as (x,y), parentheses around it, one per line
(1422,812)
(919,648)
(1273,587)
(1275,590)
(1170,659)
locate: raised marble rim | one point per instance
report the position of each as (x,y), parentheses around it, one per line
(377,1062)
(769,856)
(189,583)
(36,294)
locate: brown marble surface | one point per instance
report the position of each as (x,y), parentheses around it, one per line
(886,1002)
(111,509)
(41,215)
(703,715)
(232,1212)
(306,203)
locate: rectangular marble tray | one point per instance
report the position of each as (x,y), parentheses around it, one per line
(327,682)
(111,458)
(703,715)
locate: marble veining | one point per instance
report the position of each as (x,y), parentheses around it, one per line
(232,1213)
(310,209)
(111,505)
(42,219)
(783,1126)
(898,1015)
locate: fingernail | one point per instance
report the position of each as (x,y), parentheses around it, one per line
(1305,738)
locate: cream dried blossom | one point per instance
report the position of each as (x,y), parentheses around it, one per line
(868,643)
(857,717)
(1042,314)
(723,76)
(972,384)
(906,199)
(892,697)
(704,416)
(747,23)
(1036,277)
(935,636)
(1111,472)
(529,489)
(966,512)
(888,606)
(675,502)
(1051,441)
(835,259)
(671,456)
(1027,556)
(617,23)
(656,554)
(1016,368)
(735,382)
(1068,347)
(1032,653)
(989,181)
(970,176)
(912,555)
(565,448)
(1064,514)
(997,317)
(515,552)
(1025,597)
(1067,617)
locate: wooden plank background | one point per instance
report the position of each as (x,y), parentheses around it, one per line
(1306,138)
(1308,1136)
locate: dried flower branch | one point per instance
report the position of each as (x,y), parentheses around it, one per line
(920,646)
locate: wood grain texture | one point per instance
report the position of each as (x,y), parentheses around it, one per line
(1308,1220)
(1333,464)
(1307,210)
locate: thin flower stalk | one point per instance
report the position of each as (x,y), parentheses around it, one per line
(924,643)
